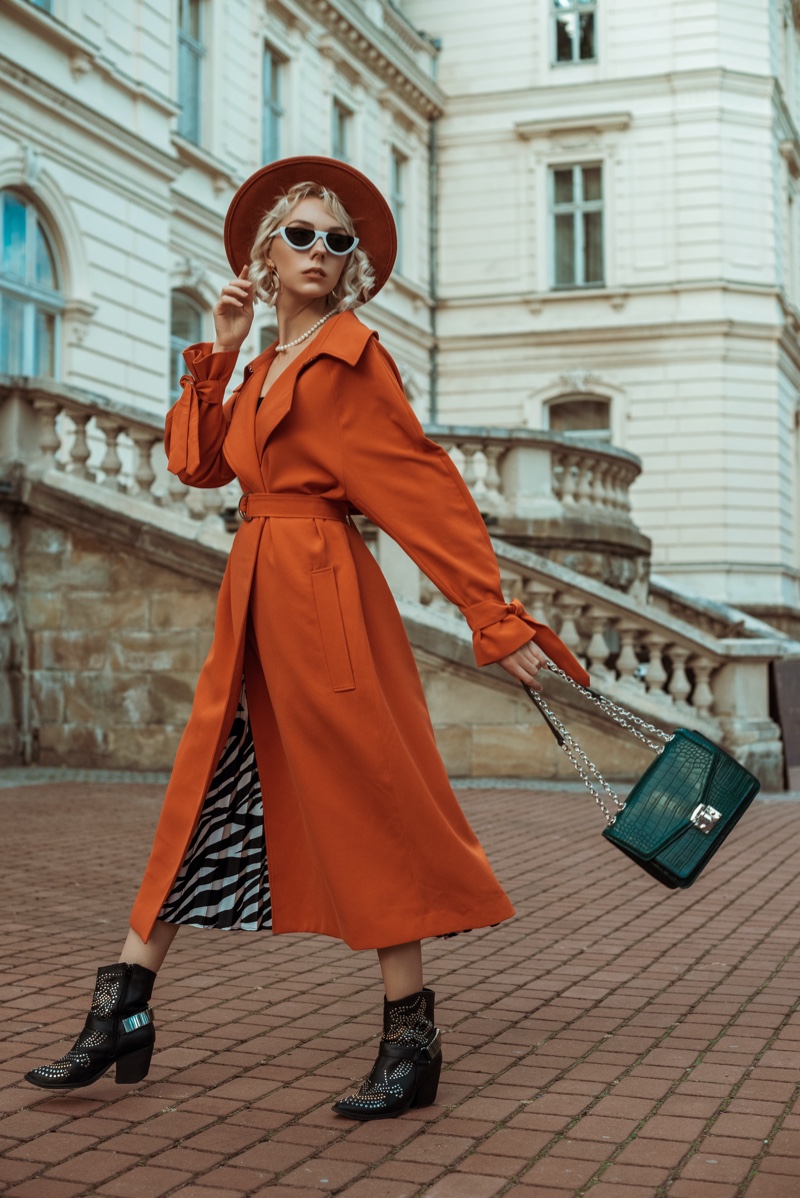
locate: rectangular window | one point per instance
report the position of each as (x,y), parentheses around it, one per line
(574,30)
(272,94)
(397,200)
(191,53)
(577,225)
(340,131)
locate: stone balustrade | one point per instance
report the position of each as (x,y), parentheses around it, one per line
(709,673)
(658,664)
(525,472)
(118,447)
(567,497)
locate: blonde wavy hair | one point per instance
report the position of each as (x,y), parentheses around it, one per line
(357,279)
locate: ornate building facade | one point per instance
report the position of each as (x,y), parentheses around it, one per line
(598,227)
(618,256)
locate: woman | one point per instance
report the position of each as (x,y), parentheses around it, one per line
(310,688)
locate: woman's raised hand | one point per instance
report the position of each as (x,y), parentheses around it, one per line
(233,313)
(525,663)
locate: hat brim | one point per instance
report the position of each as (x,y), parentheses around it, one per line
(367,208)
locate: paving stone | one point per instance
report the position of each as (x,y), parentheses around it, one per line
(582,1026)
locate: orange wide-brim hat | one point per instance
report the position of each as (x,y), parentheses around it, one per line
(368,210)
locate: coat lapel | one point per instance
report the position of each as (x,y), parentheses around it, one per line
(241,446)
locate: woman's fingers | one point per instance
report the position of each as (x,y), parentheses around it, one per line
(525,663)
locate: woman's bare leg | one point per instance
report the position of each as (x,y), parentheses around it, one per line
(152,954)
(401,967)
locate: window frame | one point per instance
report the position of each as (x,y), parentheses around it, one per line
(578,7)
(35,297)
(177,344)
(578,207)
(341,125)
(272,106)
(190,120)
(599,436)
(398,199)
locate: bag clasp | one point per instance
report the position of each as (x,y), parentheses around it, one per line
(705,818)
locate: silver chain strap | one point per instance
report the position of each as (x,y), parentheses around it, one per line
(626,719)
(583,764)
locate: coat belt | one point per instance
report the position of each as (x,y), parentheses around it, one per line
(260,504)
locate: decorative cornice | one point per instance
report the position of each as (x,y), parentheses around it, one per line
(603,122)
(18,81)
(382,54)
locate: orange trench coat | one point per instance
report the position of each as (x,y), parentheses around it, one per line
(365,839)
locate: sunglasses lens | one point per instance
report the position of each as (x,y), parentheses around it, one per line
(340,243)
(301,238)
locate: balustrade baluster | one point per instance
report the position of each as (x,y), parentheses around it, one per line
(49,440)
(702,696)
(472,472)
(583,483)
(79,453)
(537,599)
(597,649)
(111,465)
(655,675)
(627,661)
(569,480)
(557,473)
(679,685)
(144,441)
(570,612)
(494,483)
(600,498)
(177,493)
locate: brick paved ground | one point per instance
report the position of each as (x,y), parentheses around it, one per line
(615,1039)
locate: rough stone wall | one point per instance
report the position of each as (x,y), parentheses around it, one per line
(116,644)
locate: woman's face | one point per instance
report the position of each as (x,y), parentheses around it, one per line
(313,273)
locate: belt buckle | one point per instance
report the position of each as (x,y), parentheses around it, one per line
(243,512)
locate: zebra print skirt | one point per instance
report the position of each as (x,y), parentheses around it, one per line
(224,882)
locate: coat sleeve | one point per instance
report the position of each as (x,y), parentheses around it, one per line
(409,487)
(196,425)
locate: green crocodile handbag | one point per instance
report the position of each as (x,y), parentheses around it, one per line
(683,806)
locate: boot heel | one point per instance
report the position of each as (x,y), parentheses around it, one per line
(429,1084)
(134,1066)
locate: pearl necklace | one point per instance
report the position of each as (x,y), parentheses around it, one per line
(279,349)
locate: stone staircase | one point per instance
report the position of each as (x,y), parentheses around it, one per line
(109,568)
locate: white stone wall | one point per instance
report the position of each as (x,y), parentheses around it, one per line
(88,130)
(691,110)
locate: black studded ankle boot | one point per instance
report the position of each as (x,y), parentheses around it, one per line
(406,1074)
(119,1031)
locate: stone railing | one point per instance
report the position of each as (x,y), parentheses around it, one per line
(570,498)
(672,669)
(525,473)
(656,663)
(118,447)
(520,478)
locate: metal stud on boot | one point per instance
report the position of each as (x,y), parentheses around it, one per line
(119,1030)
(406,1074)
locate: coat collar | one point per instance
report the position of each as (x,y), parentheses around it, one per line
(343,337)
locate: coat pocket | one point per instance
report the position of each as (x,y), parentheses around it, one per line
(331,625)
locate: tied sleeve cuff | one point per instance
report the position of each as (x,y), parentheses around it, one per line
(206,383)
(500,628)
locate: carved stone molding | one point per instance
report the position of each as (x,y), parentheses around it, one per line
(379,54)
(602,122)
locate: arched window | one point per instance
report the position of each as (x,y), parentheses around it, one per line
(584,417)
(30,292)
(186,329)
